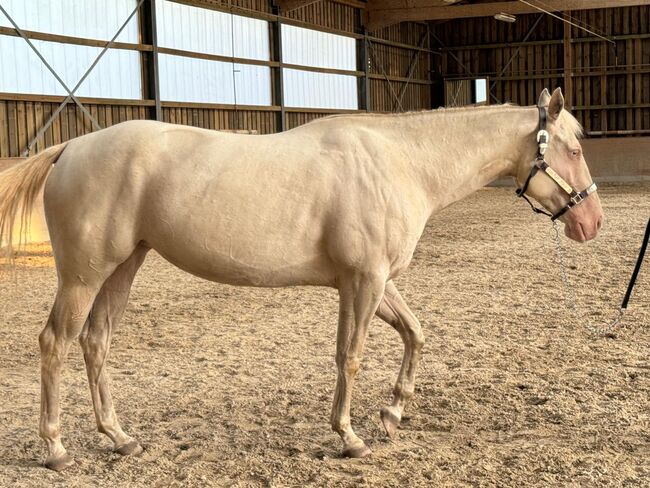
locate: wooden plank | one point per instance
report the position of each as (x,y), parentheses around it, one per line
(80,41)
(53,135)
(568,62)
(12,120)
(38,123)
(72,121)
(260,108)
(629,85)
(4,131)
(324,70)
(376,76)
(84,100)
(30,124)
(604,114)
(551,42)
(216,57)
(289,5)
(21,123)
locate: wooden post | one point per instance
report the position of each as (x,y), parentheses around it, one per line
(362,65)
(150,72)
(278,74)
(568,64)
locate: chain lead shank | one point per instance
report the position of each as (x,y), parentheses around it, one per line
(570,297)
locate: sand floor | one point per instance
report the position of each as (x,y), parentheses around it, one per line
(229,386)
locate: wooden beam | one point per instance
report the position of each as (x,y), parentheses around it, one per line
(80,41)
(289,5)
(568,63)
(382,13)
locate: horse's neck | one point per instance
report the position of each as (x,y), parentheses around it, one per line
(460,151)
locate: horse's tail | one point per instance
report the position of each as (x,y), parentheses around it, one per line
(19,187)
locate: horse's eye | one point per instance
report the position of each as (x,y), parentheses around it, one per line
(575,154)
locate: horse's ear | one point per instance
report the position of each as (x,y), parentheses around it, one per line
(556,104)
(544,98)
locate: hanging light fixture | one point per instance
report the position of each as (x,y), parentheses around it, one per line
(503,17)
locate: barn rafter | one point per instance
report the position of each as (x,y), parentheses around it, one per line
(382,13)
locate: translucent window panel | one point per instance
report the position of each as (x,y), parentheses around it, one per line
(314,48)
(211,32)
(118,74)
(94,19)
(184,79)
(319,90)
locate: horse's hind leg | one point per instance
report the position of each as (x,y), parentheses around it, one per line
(95,341)
(69,313)
(395,312)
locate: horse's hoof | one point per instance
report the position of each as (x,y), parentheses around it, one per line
(59,463)
(357,452)
(390,420)
(131,448)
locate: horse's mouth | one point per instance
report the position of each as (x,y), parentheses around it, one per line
(578,232)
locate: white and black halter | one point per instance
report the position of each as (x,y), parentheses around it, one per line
(540,164)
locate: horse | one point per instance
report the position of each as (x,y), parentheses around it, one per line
(339,202)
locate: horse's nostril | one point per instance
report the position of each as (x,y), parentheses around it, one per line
(600,222)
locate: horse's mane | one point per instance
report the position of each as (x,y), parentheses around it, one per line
(571,123)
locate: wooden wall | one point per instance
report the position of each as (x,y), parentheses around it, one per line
(606,85)
(399,65)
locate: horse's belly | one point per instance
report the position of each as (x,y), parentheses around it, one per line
(254,267)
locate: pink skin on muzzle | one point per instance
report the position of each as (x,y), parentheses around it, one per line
(583,222)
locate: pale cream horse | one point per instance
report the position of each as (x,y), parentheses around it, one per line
(339,202)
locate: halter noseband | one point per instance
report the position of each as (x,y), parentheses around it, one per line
(540,164)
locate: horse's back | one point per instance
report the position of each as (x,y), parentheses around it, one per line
(233,208)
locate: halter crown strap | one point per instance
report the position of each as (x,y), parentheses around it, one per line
(542,134)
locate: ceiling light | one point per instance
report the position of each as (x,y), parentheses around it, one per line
(503,17)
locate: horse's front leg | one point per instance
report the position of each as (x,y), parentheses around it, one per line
(395,312)
(359,298)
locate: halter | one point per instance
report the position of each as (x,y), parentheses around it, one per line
(540,164)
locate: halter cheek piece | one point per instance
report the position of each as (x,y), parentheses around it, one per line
(575,197)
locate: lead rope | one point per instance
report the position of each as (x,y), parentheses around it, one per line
(570,296)
(569,293)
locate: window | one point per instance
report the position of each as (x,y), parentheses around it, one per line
(480,91)
(311,89)
(463,92)
(188,79)
(118,74)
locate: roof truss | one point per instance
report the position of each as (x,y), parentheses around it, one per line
(381,13)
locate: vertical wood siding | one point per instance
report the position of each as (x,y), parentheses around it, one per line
(606,86)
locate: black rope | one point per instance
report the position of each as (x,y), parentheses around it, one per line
(637,268)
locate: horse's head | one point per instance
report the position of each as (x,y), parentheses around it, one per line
(581,211)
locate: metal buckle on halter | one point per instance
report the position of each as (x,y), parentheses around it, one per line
(577,198)
(542,141)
